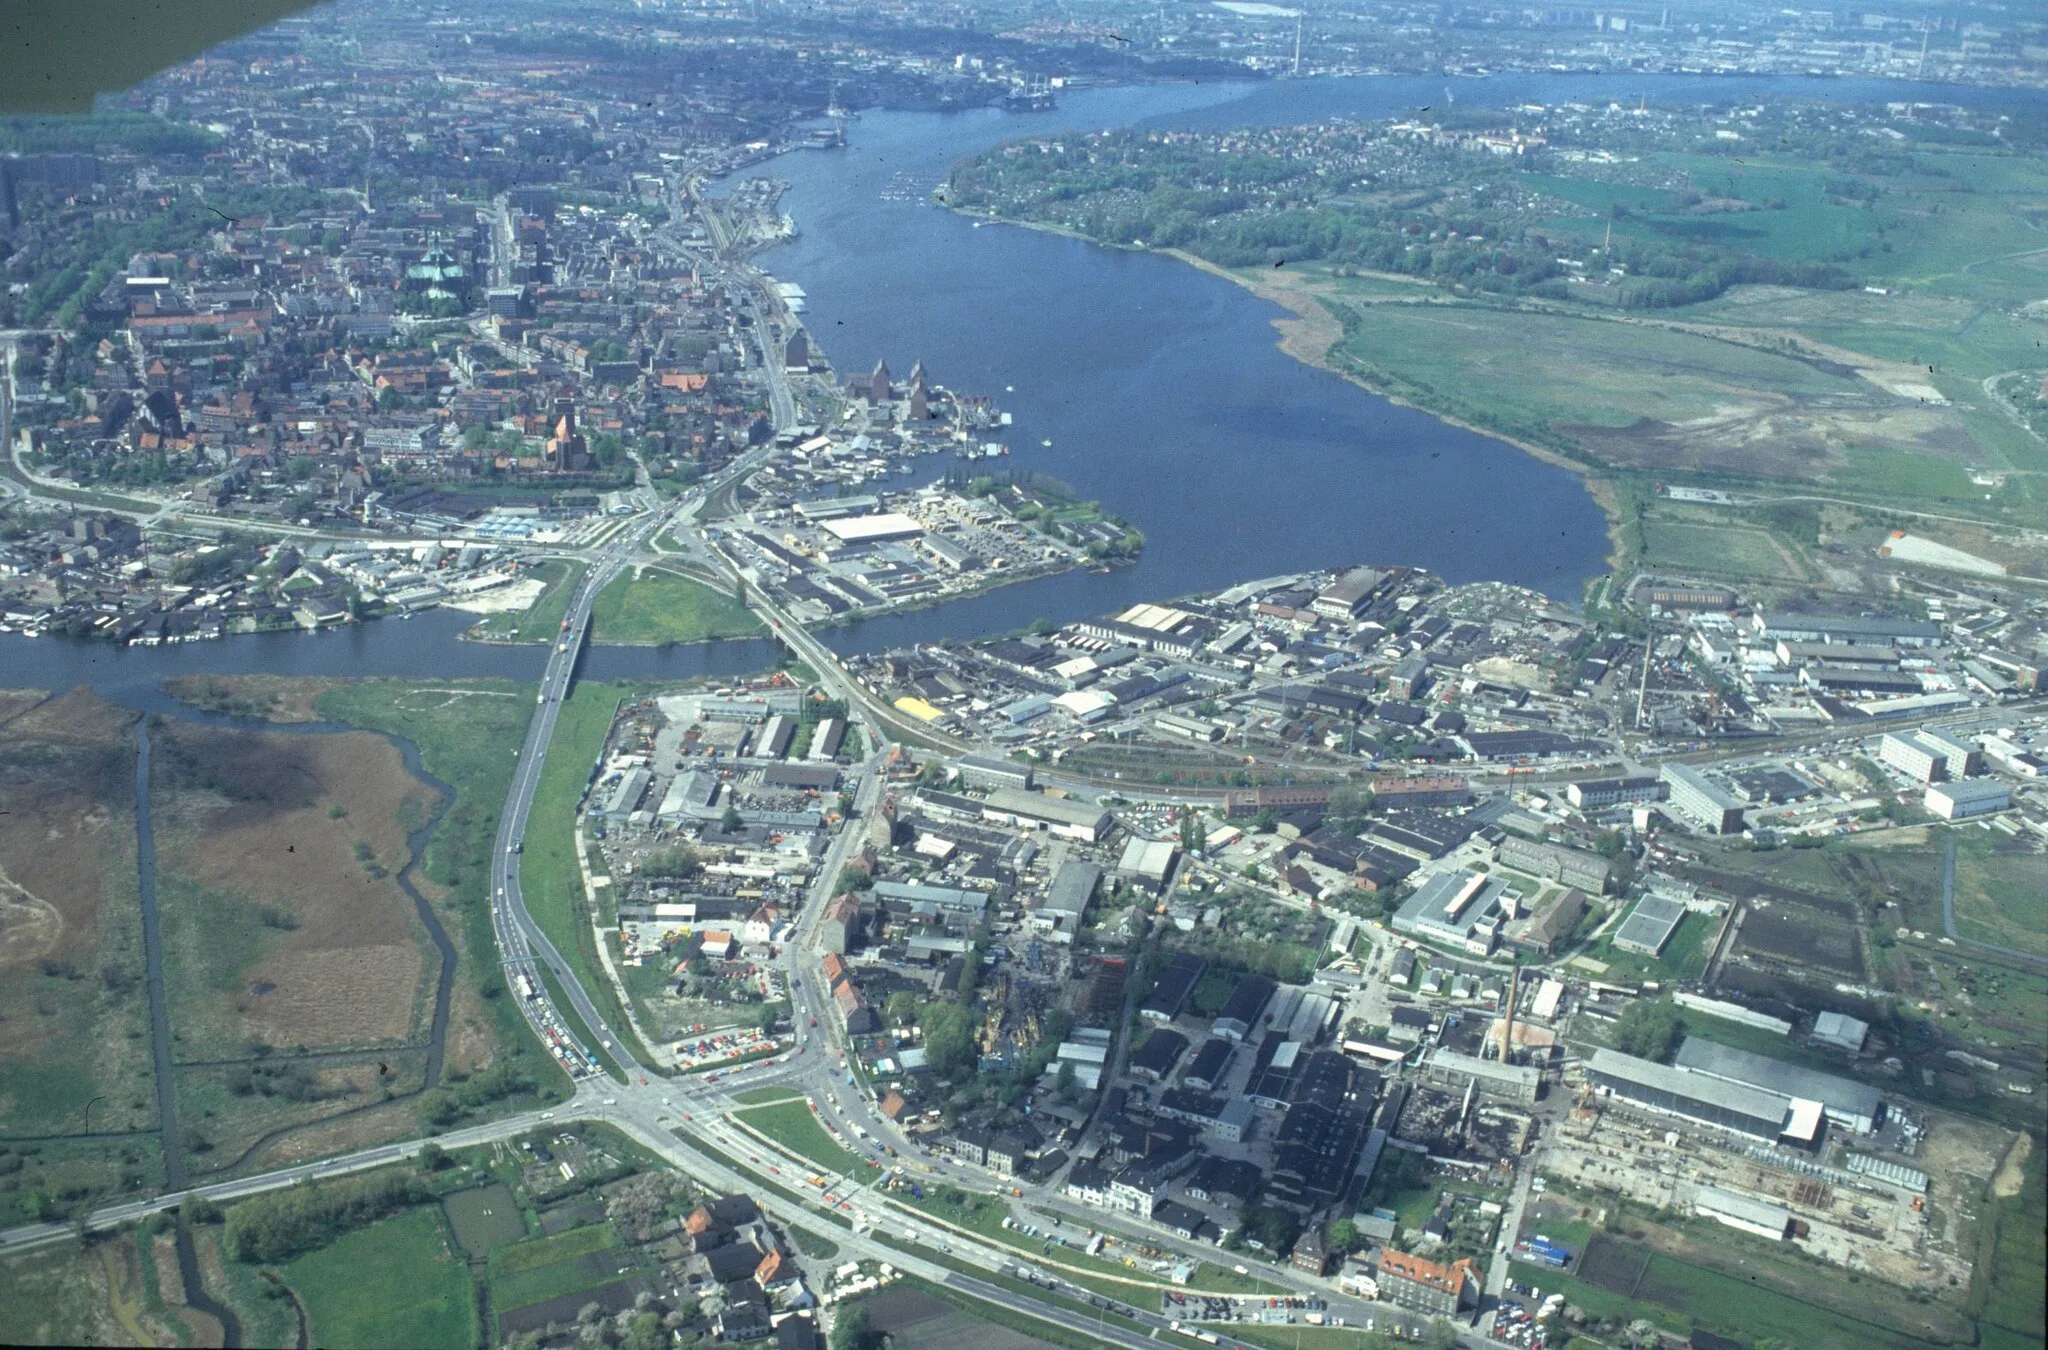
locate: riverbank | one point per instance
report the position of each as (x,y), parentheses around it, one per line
(1313,333)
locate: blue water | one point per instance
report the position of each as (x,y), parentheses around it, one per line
(1160,387)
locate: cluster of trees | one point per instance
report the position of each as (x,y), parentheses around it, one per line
(276,1227)
(1254,209)
(447,1104)
(292,1082)
(1648,1030)
(678,860)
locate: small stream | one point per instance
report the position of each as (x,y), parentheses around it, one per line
(176,1176)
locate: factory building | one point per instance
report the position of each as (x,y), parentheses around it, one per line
(1513,1082)
(1460,908)
(1699,801)
(1850,1104)
(1704,1098)
(1586,871)
(987,772)
(1971,797)
(1740,1211)
(1071,818)
(1856,629)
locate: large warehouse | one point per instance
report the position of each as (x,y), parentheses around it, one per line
(1850,1104)
(1702,1097)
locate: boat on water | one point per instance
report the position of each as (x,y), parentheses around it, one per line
(1047,444)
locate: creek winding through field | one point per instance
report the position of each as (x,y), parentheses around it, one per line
(175,1174)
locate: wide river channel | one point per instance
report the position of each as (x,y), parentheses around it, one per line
(1160,389)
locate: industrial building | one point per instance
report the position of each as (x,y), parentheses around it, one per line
(1700,802)
(1929,755)
(1148,861)
(1704,1098)
(1595,793)
(1839,1031)
(1073,819)
(1650,927)
(1460,908)
(1740,1211)
(1177,979)
(1514,1082)
(987,772)
(1061,909)
(1856,629)
(1853,1105)
(1242,1009)
(873,529)
(1970,797)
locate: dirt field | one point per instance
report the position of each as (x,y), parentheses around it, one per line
(1782,932)
(274,859)
(917,1321)
(71,969)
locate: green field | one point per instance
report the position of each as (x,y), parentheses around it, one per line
(1718,550)
(548,874)
(1541,370)
(792,1124)
(1679,1296)
(654,606)
(395,1283)
(2001,893)
(2009,1299)
(541,622)
(544,1268)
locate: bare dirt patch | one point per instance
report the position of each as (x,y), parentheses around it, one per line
(2012,1172)
(29,926)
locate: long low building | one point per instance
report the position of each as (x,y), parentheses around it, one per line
(1854,1105)
(1070,817)
(1760,1217)
(1701,1097)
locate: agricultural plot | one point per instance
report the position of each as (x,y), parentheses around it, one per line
(913,1320)
(1813,935)
(484,1219)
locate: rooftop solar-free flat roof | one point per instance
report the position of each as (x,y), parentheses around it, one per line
(1650,926)
(1841,1096)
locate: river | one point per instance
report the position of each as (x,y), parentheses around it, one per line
(1160,387)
